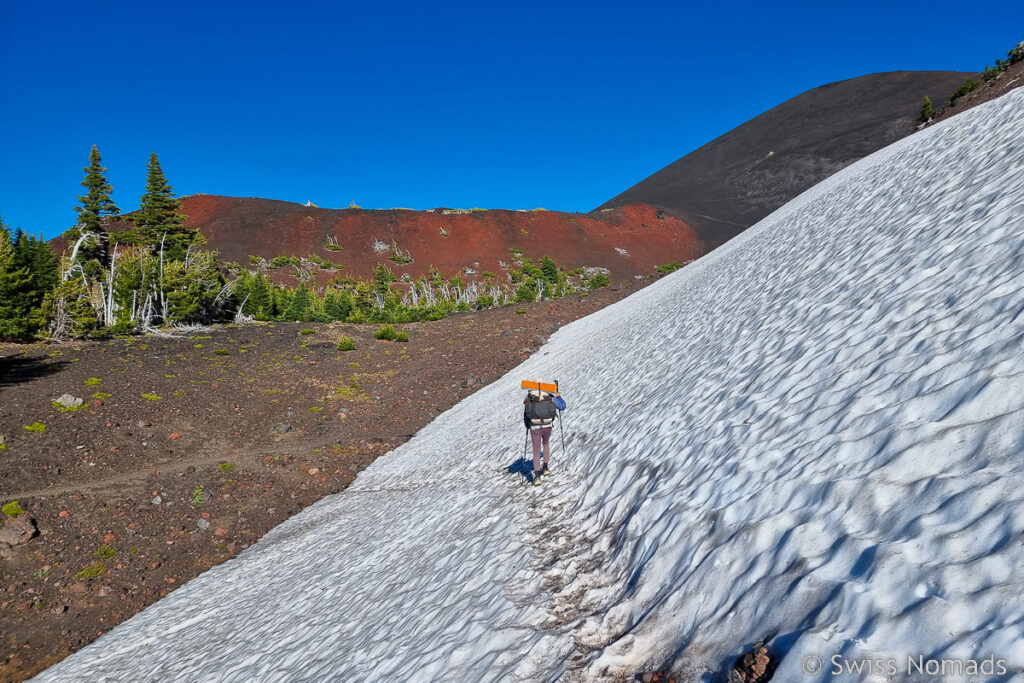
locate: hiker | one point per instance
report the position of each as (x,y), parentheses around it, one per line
(539,414)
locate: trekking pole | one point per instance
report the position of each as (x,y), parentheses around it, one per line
(561,430)
(526,445)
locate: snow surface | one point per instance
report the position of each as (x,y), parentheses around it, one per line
(814,433)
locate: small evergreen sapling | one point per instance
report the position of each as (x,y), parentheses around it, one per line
(927,111)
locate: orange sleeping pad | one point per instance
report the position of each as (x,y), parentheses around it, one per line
(550,387)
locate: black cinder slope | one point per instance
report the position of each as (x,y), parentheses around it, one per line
(739,178)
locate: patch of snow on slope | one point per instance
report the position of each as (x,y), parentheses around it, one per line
(813,433)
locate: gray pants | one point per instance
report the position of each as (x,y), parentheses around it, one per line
(537,436)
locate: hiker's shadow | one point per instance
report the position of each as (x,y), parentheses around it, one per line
(523,468)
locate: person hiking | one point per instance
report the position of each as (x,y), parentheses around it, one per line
(539,414)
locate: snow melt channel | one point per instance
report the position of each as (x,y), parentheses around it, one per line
(814,433)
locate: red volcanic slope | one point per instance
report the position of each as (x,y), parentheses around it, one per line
(239,227)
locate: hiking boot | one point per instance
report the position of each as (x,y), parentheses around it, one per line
(545,471)
(536,477)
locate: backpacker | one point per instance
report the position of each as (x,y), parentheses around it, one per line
(541,412)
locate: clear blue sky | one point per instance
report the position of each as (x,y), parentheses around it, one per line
(424,104)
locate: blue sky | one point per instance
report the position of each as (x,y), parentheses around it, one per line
(413,104)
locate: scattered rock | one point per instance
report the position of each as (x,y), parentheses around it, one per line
(657,677)
(6,553)
(282,428)
(79,589)
(145,423)
(175,436)
(68,401)
(64,513)
(220,531)
(104,591)
(314,470)
(18,530)
(157,500)
(109,538)
(203,524)
(755,666)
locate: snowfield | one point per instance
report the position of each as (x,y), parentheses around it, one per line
(814,434)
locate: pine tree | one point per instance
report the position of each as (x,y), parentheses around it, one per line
(157,220)
(97,207)
(15,283)
(550,269)
(34,256)
(383,277)
(927,111)
(260,300)
(301,305)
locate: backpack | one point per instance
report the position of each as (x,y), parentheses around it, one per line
(541,411)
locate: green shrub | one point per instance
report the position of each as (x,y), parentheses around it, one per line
(279,261)
(398,257)
(226,466)
(968,86)
(669,268)
(346,344)
(92,571)
(69,409)
(105,553)
(386,332)
(402,336)
(307,331)
(485,301)
(526,292)
(599,280)
(1017,53)
(152,396)
(36,427)
(123,326)
(12,509)
(93,381)
(222,352)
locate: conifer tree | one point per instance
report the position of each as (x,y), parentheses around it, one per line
(927,111)
(15,282)
(158,220)
(97,207)
(301,305)
(550,269)
(35,256)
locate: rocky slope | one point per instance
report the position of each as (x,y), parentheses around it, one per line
(628,241)
(739,178)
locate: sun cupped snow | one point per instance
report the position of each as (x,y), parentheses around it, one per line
(812,435)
